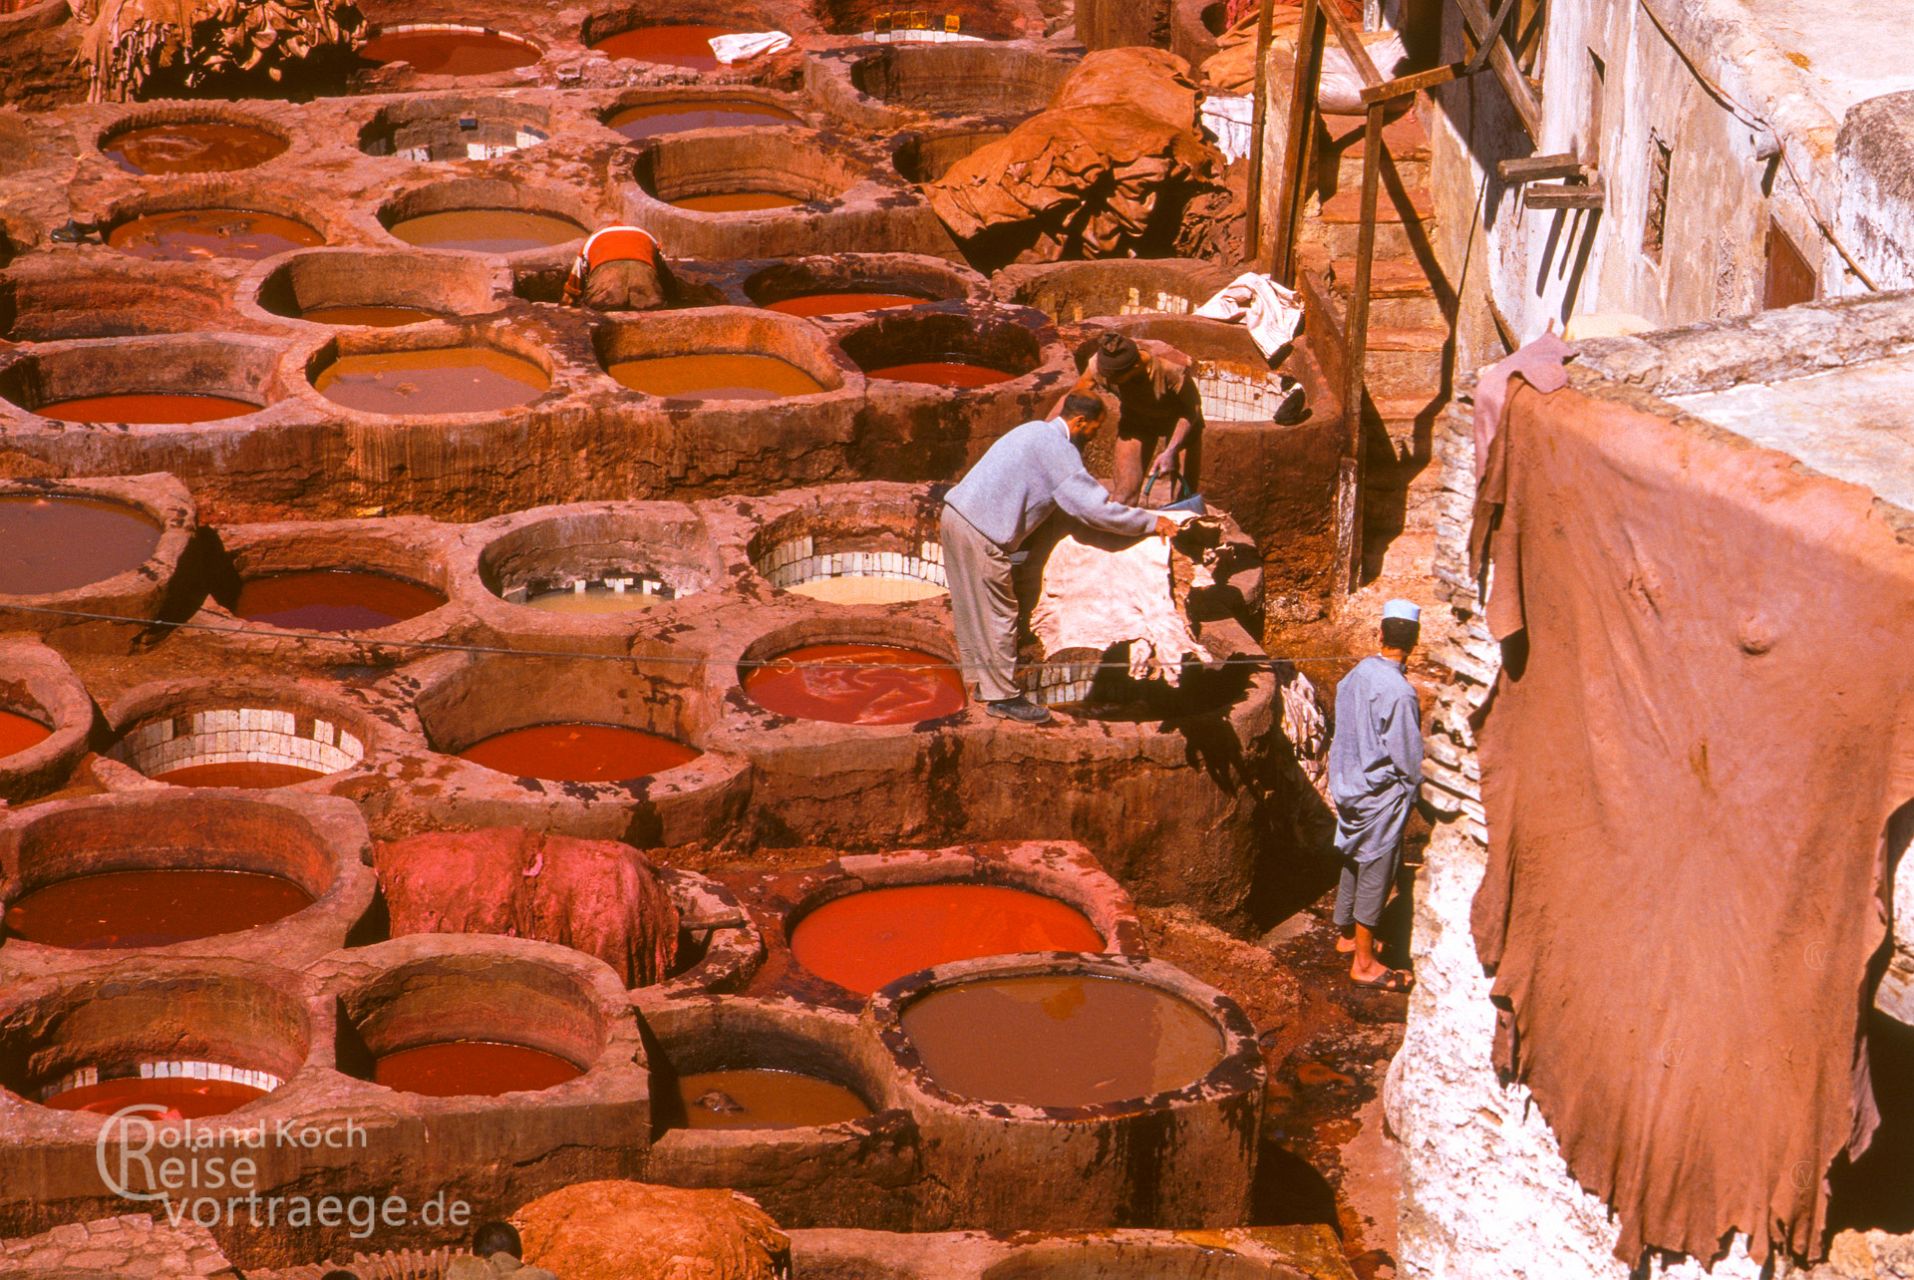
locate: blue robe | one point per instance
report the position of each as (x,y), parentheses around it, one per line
(1375,760)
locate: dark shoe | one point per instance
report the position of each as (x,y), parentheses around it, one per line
(1020,709)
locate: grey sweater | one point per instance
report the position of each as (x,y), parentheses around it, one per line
(1029,473)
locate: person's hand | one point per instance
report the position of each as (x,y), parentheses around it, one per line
(1164,465)
(1166,527)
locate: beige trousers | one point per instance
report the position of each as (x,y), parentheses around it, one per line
(983,605)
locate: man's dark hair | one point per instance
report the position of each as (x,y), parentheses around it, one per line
(1078,405)
(497,1237)
(340,1273)
(1400,633)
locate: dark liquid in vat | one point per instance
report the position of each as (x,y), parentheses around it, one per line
(17,733)
(256,775)
(579,752)
(59,543)
(179,1097)
(715,377)
(333,600)
(146,409)
(834,304)
(192,146)
(943,373)
(760,1099)
(487,230)
(1060,1041)
(736,202)
(656,119)
(435,380)
(450,53)
(154,908)
(471,1068)
(675,45)
(865,940)
(191,235)
(373,317)
(857,684)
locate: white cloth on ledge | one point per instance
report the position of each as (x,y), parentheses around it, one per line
(748,44)
(1271,312)
(1227,118)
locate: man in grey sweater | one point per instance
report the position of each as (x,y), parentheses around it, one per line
(1026,475)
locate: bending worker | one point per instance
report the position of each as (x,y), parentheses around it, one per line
(1156,397)
(1375,770)
(618,269)
(1014,487)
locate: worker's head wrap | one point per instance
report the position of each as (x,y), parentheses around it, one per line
(1407,610)
(1116,354)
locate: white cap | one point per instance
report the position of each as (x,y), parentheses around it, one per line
(1402,609)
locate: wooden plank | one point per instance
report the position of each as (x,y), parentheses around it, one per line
(1415,82)
(1562,196)
(1302,131)
(1352,45)
(1533,168)
(1354,378)
(1261,114)
(1514,83)
(1322,324)
(1491,37)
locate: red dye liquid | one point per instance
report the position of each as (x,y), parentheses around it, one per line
(450,53)
(471,1068)
(156,408)
(656,119)
(179,1097)
(333,600)
(857,684)
(151,908)
(59,543)
(943,373)
(17,733)
(256,775)
(192,146)
(193,235)
(832,304)
(867,939)
(579,753)
(680,45)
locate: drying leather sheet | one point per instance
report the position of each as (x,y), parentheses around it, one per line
(1100,590)
(1689,761)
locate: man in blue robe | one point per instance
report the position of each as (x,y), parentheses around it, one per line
(1375,770)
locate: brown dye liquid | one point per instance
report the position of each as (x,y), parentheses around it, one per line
(867,939)
(255,775)
(579,753)
(157,408)
(193,235)
(736,202)
(1060,1041)
(471,1068)
(487,230)
(368,317)
(178,1097)
(656,119)
(834,304)
(596,599)
(759,1099)
(17,733)
(857,684)
(59,543)
(943,373)
(436,380)
(848,588)
(675,45)
(450,53)
(333,600)
(151,908)
(192,146)
(715,377)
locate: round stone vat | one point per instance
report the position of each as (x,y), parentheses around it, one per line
(719,945)
(213,231)
(448,49)
(210,735)
(478,1016)
(749,171)
(950,349)
(856,549)
(845,284)
(106,299)
(488,215)
(653,113)
(177,1038)
(787,1104)
(960,79)
(149,381)
(279,878)
(718,354)
(171,140)
(670,44)
(435,130)
(864,675)
(1160,1259)
(45,717)
(1071,291)
(951,21)
(1056,1089)
(379,288)
(382,578)
(400,372)
(926,157)
(676,33)
(604,561)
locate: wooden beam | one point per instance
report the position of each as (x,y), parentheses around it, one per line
(1305,86)
(1491,37)
(1415,82)
(1352,45)
(1539,168)
(1261,113)
(1561,195)
(1357,331)
(1514,83)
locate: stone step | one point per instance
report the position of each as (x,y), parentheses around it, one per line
(1405,140)
(1346,206)
(1395,373)
(1393,240)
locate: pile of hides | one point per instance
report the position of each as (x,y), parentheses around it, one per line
(636,1231)
(595,896)
(1107,171)
(128,42)
(1099,590)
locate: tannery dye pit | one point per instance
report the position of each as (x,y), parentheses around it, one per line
(943,373)
(151,908)
(18,732)
(146,407)
(371,317)
(50,544)
(759,1099)
(486,230)
(715,377)
(657,119)
(471,1068)
(737,201)
(333,600)
(191,146)
(248,774)
(432,380)
(158,1098)
(194,235)
(685,45)
(450,51)
(832,304)
(867,684)
(579,752)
